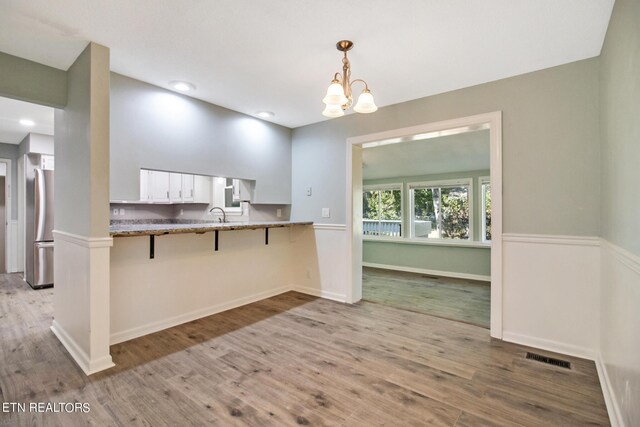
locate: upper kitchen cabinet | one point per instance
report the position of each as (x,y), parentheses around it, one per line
(174,187)
(154,186)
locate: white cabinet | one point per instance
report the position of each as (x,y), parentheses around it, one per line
(159,186)
(242,190)
(187,189)
(174,187)
(202,187)
(154,186)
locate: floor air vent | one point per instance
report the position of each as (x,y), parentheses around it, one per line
(549,360)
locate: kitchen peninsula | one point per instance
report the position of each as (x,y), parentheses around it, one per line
(165,273)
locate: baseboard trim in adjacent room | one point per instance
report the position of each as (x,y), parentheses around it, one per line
(554,346)
(334,296)
(150,328)
(429,272)
(79,356)
(615,415)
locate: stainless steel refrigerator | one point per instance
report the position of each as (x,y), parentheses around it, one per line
(39,227)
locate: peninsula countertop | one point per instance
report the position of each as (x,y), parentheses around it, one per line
(155,229)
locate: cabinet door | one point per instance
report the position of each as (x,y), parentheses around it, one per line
(175,187)
(159,186)
(187,187)
(202,186)
(145,196)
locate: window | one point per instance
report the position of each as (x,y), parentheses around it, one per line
(441,210)
(486,209)
(382,211)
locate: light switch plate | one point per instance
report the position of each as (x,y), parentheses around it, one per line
(278,213)
(308,191)
(326,213)
(121,211)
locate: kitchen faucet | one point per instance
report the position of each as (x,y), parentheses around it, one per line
(224,215)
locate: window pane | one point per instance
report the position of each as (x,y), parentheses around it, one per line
(486,198)
(424,216)
(454,215)
(390,213)
(370,212)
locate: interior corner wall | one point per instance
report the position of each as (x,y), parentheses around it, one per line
(620,211)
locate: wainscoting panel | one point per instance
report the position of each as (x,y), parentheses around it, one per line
(319,262)
(550,292)
(619,357)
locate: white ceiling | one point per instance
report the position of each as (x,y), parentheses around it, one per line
(12,111)
(280,55)
(463,152)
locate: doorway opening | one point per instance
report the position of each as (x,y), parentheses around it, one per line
(437,218)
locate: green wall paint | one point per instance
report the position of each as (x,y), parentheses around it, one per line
(430,257)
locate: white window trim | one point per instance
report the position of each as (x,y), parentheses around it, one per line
(442,183)
(392,186)
(483,214)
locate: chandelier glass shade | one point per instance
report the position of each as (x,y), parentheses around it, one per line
(339,95)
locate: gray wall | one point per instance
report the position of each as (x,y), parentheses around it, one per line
(82,148)
(158,129)
(550,148)
(620,84)
(32,82)
(10,151)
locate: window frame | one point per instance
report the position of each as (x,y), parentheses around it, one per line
(483,180)
(441,184)
(383,187)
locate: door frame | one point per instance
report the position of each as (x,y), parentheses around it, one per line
(8,237)
(354,201)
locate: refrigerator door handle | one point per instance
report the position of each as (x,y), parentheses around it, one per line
(44,245)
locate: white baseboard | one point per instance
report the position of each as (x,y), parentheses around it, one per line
(81,358)
(150,328)
(544,344)
(429,272)
(615,415)
(320,293)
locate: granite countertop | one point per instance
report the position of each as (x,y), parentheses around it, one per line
(154,228)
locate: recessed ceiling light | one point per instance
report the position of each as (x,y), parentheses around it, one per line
(265,114)
(27,122)
(182,86)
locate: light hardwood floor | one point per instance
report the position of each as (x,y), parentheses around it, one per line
(292,360)
(456,299)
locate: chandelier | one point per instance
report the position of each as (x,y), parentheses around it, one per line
(339,96)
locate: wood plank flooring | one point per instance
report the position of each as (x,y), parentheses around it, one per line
(450,298)
(292,360)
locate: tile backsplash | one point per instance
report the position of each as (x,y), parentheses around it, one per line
(195,211)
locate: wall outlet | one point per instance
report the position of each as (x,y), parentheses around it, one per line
(115,211)
(308,191)
(326,213)
(278,213)
(121,211)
